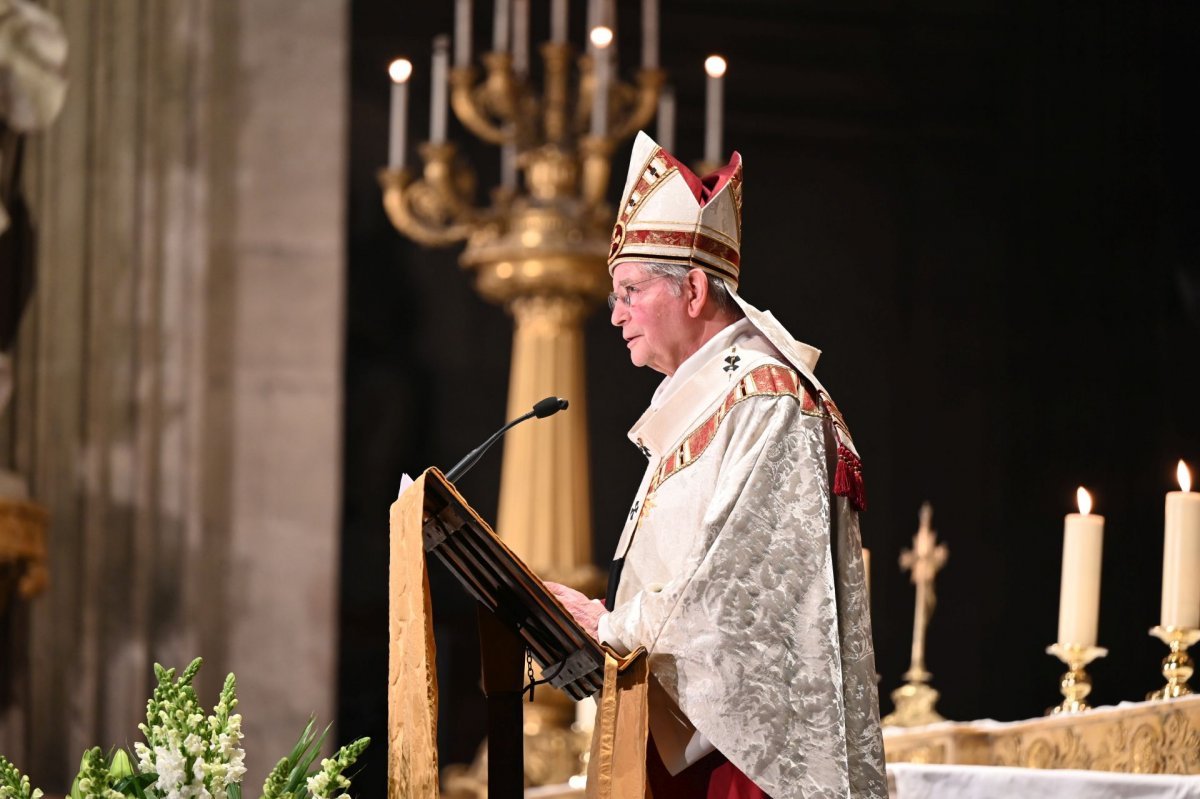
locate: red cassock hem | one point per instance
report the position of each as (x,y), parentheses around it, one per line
(711,777)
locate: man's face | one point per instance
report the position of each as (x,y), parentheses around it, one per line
(655,322)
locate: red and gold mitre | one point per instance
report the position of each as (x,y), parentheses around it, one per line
(670,215)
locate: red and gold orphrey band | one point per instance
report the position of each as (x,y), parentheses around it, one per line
(770,380)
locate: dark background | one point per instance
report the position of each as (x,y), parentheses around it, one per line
(986,215)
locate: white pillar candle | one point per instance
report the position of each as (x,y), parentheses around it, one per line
(714,66)
(601,39)
(558,21)
(665,131)
(462,33)
(1079,592)
(650,34)
(1181,555)
(399,71)
(500,24)
(439,100)
(593,14)
(520,38)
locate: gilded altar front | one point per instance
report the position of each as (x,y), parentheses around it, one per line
(1158,737)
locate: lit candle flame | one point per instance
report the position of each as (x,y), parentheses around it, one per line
(400,70)
(1085,501)
(1185,477)
(601,36)
(714,66)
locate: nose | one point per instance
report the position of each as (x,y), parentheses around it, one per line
(619,313)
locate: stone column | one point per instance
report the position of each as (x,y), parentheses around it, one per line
(178,393)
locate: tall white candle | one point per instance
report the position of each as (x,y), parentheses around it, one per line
(714,66)
(601,38)
(1079,592)
(593,14)
(400,71)
(558,21)
(520,49)
(665,131)
(1181,555)
(650,34)
(500,22)
(462,33)
(438,96)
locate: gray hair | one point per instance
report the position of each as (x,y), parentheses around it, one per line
(718,292)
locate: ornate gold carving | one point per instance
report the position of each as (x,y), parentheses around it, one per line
(1142,738)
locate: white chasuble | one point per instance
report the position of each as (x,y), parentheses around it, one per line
(743,578)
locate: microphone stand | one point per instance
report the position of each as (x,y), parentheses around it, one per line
(547,407)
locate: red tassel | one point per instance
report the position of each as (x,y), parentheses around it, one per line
(848,479)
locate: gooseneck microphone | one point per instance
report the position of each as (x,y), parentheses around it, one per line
(547,407)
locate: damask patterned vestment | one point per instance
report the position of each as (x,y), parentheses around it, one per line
(743,578)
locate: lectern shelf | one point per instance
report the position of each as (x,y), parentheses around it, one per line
(492,573)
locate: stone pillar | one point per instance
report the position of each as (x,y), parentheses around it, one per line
(178,392)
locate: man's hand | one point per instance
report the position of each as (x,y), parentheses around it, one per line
(586,611)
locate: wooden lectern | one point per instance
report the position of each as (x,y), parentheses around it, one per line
(517,614)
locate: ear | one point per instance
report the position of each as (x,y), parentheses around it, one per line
(696,286)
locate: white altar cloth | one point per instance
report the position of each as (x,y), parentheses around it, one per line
(920,781)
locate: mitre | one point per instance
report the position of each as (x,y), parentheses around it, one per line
(669,214)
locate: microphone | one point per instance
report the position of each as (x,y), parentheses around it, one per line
(543,408)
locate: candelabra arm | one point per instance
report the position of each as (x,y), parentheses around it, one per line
(487,108)
(557,58)
(587,90)
(644,107)
(434,210)
(596,152)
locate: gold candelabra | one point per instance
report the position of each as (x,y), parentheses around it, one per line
(1177,667)
(1076,684)
(539,249)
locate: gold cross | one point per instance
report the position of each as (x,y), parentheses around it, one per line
(924,560)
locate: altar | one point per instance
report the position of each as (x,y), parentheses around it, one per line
(1157,737)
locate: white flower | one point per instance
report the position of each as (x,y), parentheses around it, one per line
(145,757)
(193,745)
(169,764)
(318,784)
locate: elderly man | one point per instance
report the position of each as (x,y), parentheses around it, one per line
(739,568)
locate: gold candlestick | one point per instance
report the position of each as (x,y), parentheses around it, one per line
(1177,667)
(1075,684)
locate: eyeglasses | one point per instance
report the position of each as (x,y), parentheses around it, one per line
(628,292)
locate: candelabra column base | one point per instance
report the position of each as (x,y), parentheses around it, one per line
(1177,667)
